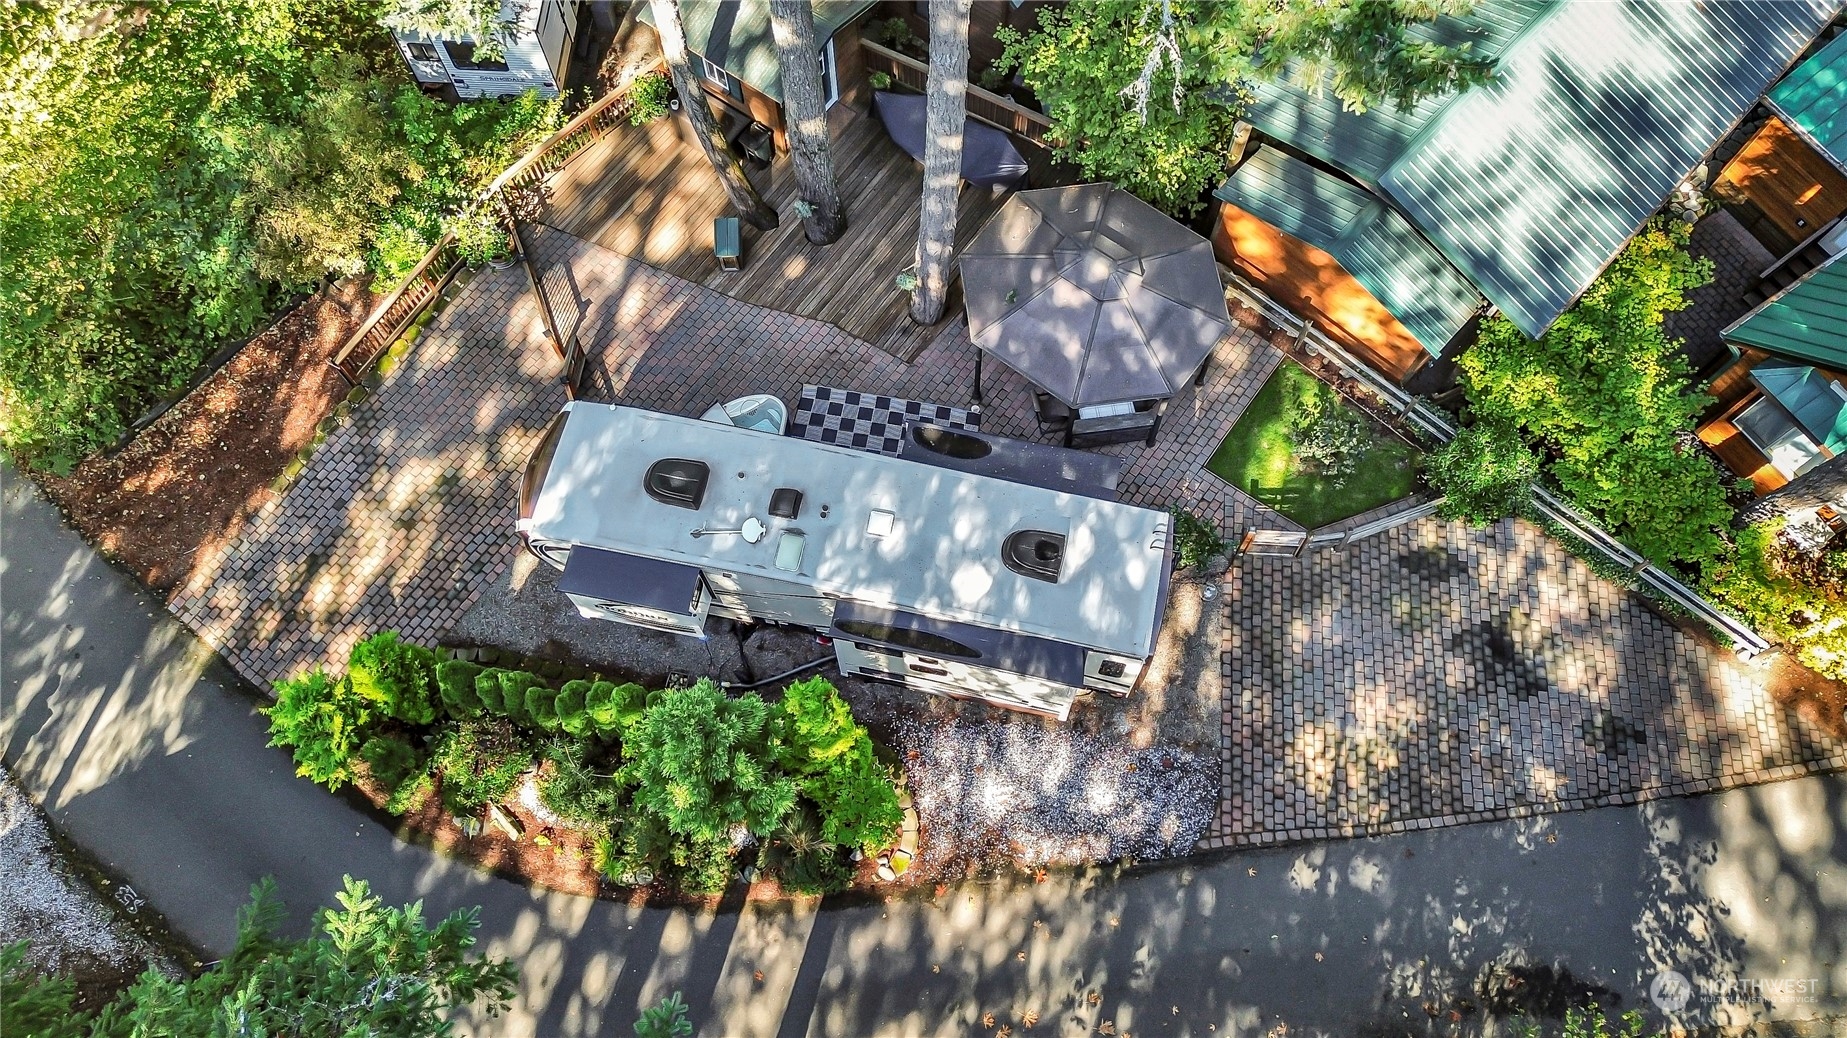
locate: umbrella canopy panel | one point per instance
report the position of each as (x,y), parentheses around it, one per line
(1093,294)
(988,155)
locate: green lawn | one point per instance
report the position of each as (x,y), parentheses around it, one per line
(1258,458)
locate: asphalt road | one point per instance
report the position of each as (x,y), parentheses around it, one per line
(146,749)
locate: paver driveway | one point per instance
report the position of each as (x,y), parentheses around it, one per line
(1438,674)
(1432,676)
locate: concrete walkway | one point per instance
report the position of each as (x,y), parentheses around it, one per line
(143,747)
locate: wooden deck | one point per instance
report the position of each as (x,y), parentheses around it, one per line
(648,192)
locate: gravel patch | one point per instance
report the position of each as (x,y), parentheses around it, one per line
(42,900)
(991,791)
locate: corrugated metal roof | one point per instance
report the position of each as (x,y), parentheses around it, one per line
(1806,321)
(1375,243)
(1813,100)
(735,35)
(1532,183)
(1365,144)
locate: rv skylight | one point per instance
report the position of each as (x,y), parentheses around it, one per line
(1035,553)
(677,481)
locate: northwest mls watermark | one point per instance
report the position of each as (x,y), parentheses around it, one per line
(1672,992)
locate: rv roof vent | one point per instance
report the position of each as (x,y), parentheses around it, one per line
(786,503)
(677,481)
(1035,553)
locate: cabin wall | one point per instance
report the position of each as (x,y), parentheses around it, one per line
(1312,283)
(850,68)
(985,17)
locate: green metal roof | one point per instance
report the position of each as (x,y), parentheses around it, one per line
(1532,183)
(1365,144)
(1370,239)
(1813,100)
(735,35)
(1811,398)
(1806,321)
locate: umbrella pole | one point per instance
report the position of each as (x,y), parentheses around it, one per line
(978,352)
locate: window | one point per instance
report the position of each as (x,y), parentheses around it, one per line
(421,51)
(723,80)
(462,55)
(678,482)
(916,641)
(1770,430)
(1034,553)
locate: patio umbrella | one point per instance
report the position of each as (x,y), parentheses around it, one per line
(1093,295)
(988,155)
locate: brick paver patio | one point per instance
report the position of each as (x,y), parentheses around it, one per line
(1438,674)
(1433,675)
(407,508)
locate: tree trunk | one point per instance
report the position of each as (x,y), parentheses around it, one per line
(804,113)
(945,112)
(744,197)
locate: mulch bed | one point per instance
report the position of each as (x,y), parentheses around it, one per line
(178,494)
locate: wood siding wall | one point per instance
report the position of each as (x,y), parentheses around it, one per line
(1312,283)
(983,19)
(1781,188)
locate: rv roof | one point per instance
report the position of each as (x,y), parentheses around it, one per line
(895,533)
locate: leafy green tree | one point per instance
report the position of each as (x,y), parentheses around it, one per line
(170,172)
(455,685)
(324,723)
(36,1004)
(816,739)
(1147,92)
(486,22)
(1606,398)
(700,762)
(1486,474)
(397,677)
(366,970)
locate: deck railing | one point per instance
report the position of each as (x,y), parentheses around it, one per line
(983,106)
(404,304)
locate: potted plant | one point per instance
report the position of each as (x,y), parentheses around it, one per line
(480,237)
(651,97)
(879,80)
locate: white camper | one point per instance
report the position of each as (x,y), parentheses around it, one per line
(934,574)
(536,56)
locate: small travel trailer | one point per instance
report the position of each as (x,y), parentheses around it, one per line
(535,58)
(971,566)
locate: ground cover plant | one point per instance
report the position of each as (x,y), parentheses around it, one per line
(367,968)
(1304,451)
(1603,406)
(169,173)
(680,787)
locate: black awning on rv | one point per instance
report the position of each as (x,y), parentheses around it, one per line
(1035,464)
(963,643)
(612,576)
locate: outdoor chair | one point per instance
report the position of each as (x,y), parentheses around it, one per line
(1053,415)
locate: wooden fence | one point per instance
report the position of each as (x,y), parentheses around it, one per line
(983,106)
(405,303)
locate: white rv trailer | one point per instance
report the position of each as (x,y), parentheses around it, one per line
(939,578)
(535,58)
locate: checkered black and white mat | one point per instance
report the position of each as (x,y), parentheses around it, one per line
(868,422)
